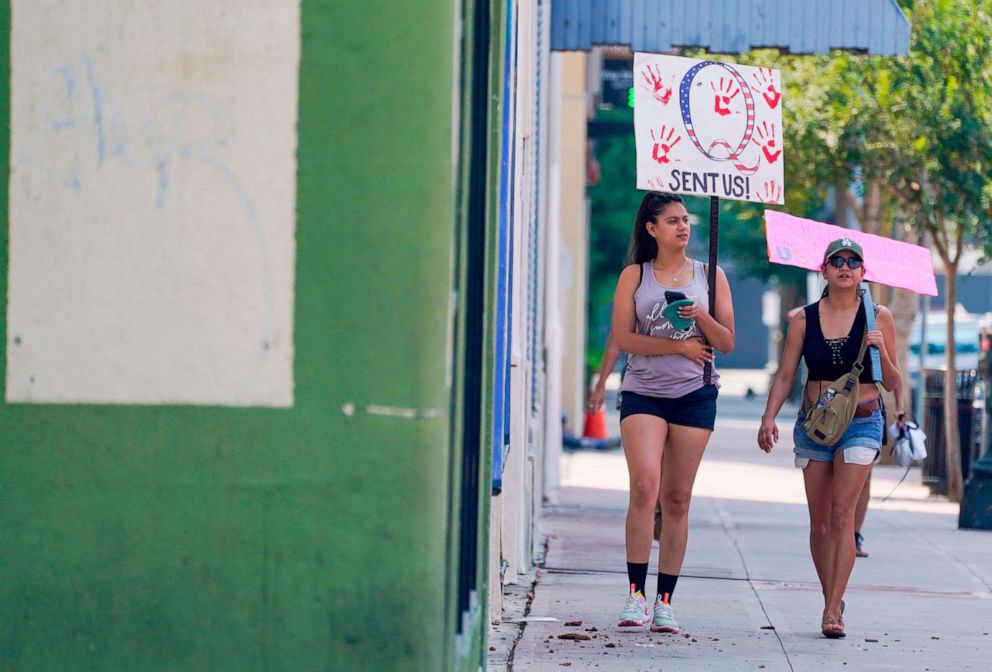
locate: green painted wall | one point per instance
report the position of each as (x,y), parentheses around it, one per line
(180,538)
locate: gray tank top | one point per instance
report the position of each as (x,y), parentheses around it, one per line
(667,376)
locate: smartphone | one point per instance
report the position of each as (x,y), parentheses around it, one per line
(672,297)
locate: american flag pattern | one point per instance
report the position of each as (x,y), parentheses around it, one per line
(733,154)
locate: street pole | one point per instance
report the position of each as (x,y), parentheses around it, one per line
(919,392)
(711,274)
(921,383)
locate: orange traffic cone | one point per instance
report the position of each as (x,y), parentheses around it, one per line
(595,425)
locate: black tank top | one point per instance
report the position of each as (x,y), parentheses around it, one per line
(829,360)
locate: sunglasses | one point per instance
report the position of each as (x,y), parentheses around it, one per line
(838,262)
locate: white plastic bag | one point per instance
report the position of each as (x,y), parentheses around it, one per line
(909,443)
(918,440)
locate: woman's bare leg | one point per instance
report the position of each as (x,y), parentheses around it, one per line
(818,477)
(862,510)
(848,481)
(643,439)
(678,473)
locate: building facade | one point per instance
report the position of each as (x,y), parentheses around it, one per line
(294,302)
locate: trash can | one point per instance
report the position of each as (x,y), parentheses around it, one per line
(976,504)
(935,466)
(984,409)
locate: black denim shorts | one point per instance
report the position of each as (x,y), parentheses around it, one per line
(696,409)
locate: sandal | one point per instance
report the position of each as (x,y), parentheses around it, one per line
(859,541)
(832,628)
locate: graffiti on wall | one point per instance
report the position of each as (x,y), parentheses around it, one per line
(152,208)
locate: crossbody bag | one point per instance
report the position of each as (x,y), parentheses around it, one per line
(831,415)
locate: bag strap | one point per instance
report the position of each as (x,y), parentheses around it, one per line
(861,354)
(855,370)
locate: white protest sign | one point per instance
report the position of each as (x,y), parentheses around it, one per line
(708,128)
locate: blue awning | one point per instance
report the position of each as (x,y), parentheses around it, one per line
(876,27)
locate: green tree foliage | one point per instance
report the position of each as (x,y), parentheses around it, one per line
(898,146)
(904,144)
(939,107)
(613,204)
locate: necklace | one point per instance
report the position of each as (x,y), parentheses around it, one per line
(677,273)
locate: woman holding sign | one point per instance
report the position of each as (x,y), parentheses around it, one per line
(668,405)
(832,336)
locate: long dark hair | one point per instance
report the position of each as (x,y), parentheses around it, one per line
(642,246)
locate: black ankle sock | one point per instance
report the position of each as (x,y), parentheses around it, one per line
(637,574)
(666,584)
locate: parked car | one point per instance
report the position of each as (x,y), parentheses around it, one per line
(966,345)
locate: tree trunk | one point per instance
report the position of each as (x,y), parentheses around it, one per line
(955,484)
(904,305)
(845,213)
(871,211)
(901,302)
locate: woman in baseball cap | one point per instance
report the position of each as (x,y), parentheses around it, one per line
(828,334)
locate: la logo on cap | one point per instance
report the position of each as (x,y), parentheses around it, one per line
(846,241)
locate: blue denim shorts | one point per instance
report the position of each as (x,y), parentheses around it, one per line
(696,409)
(861,443)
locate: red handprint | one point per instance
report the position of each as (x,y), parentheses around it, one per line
(726,92)
(764,137)
(772,192)
(766,86)
(656,85)
(664,144)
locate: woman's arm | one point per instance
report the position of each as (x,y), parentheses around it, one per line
(900,405)
(782,383)
(610,356)
(884,338)
(719,332)
(625,324)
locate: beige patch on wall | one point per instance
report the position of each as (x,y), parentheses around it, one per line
(152,202)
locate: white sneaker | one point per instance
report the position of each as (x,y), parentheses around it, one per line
(664,619)
(635,610)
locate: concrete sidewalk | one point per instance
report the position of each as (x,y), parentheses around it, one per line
(748,598)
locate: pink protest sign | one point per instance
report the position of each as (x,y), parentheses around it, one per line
(800,242)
